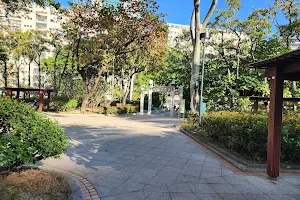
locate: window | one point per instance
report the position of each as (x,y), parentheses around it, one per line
(29,18)
(41,26)
(41,18)
(14,24)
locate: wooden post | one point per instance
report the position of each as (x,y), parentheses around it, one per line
(18,95)
(255,105)
(9,93)
(48,101)
(41,100)
(275,120)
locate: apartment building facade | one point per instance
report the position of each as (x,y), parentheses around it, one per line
(34,18)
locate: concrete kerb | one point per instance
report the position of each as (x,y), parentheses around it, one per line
(238,163)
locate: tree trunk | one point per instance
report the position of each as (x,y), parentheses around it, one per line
(29,73)
(5,73)
(63,72)
(91,90)
(55,71)
(131,88)
(196,59)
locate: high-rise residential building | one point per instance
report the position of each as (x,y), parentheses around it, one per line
(36,17)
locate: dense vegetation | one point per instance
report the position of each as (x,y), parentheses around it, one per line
(27,136)
(246,133)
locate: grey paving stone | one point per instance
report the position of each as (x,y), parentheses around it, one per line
(288,188)
(235,180)
(130,168)
(179,187)
(295,196)
(120,175)
(110,183)
(283,197)
(149,172)
(257,197)
(183,196)
(224,188)
(162,181)
(216,180)
(187,178)
(149,195)
(154,166)
(159,161)
(208,196)
(131,196)
(131,186)
(102,191)
(269,189)
(233,197)
(202,188)
(171,169)
(247,189)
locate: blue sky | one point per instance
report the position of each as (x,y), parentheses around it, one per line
(179,11)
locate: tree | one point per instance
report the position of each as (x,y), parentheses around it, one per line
(98,43)
(196,29)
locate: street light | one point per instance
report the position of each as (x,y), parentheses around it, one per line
(203,36)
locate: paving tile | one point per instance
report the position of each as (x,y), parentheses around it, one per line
(149,172)
(283,197)
(162,181)
(225,188)
(141,178)
(216,180)
(131,186)
(179,187)
(171,169)
(149,195)
(247,189)
(131,196)
(187,178)
(207,196)
(295,196)
(257,197)
(183,196)
(102,191)
(235,180)
(233,197)
(202,188)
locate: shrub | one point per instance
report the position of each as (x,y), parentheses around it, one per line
(27,136)
(128,109)
(64,104)
(247,133)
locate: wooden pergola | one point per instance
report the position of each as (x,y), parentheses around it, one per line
(278,69)
(41,94)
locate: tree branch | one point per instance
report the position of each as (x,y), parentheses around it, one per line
(210,12)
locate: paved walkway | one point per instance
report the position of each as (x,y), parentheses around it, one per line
(141,157)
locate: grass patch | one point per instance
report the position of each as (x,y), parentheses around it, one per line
(33,185)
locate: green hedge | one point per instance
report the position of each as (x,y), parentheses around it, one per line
(27,136)
(128,109)
(247,133)
(63,104)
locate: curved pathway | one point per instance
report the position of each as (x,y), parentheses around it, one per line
(142,157)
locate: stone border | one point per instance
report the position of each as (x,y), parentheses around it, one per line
(87,190)
(232,164)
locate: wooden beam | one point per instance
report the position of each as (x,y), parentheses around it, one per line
(291,67)
(9,93)
(41,100)
(274,125)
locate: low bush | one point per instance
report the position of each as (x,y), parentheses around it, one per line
(63,104)
(247,133)
(128,109)
(27,136)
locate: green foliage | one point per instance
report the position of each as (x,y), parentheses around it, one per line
(244,104)
(27,136)
(128,109)
(247,134)
(64,104)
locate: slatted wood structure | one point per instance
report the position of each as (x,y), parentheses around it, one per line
(278,69)
(256,99)
(41,94)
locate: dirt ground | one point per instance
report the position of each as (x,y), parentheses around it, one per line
(33,185)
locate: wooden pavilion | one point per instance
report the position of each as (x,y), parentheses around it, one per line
(41,94)
(278,69)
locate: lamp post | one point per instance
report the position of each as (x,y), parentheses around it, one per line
(203,37)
